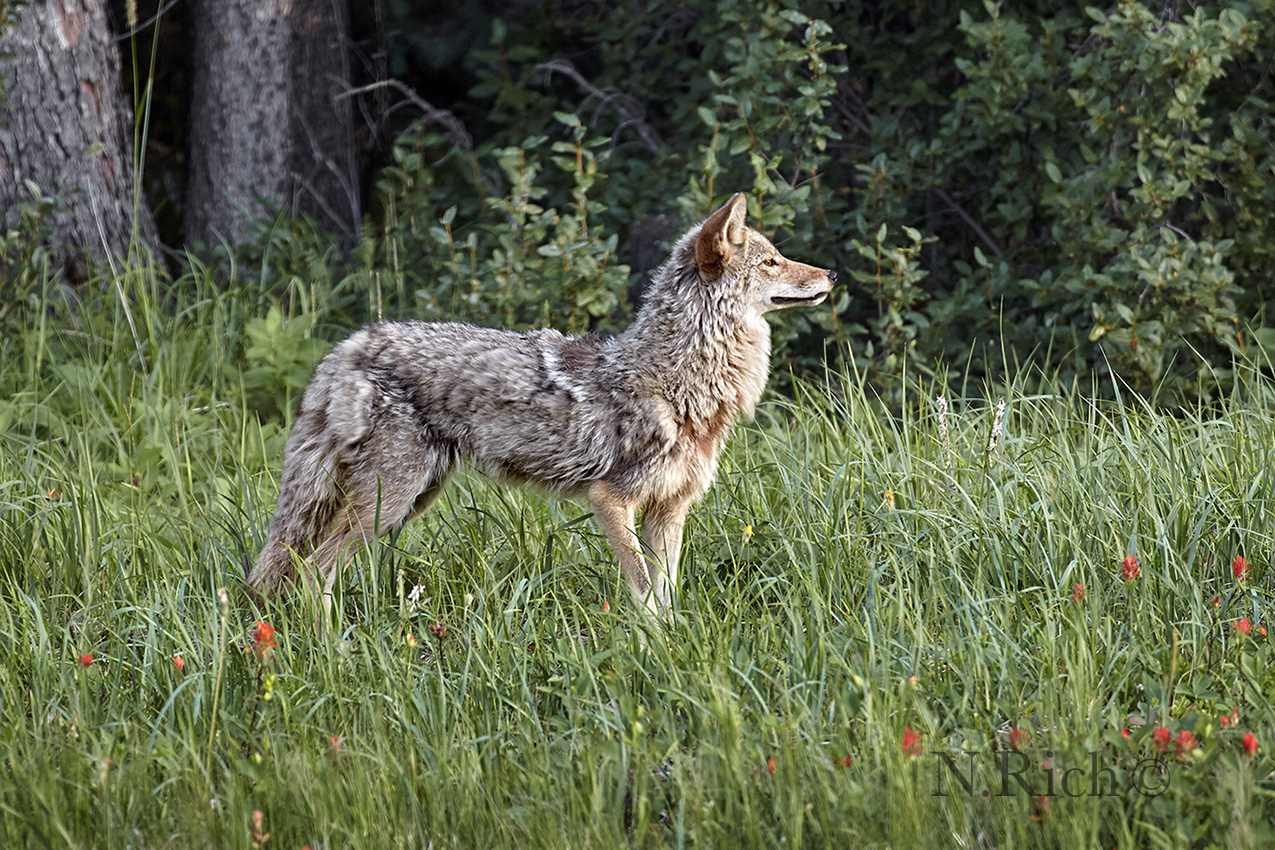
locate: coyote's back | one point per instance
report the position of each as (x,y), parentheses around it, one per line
(633,423)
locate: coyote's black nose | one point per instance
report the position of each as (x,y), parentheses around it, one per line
(832,276)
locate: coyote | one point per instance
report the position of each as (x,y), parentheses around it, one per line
(633,423)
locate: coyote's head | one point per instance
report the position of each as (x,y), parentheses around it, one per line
(726,246)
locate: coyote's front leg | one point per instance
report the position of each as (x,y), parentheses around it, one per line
(615,515)
(662,524)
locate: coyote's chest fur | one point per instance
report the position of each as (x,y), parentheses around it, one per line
(634,423)
(732,390)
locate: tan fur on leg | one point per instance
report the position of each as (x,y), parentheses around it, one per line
(616,518)
(662,524)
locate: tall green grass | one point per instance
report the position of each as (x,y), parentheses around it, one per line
(851,574)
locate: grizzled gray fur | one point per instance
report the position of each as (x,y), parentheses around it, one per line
(633,423)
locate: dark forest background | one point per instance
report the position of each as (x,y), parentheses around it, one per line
(1087,189)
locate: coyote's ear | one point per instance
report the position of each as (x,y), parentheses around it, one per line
(722,231)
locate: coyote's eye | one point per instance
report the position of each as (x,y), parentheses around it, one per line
(770,261)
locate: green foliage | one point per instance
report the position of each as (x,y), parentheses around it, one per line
(894,273)
(283,355)
(1093,187)
(1106,159)
(514,262)
(1119,212)
(24,261)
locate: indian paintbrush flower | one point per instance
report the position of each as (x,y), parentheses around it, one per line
(911,743)
(263,640)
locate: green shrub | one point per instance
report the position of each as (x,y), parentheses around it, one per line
(1090,188)
(514,262)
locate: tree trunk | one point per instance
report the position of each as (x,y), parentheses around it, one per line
(68,130)
(266,122)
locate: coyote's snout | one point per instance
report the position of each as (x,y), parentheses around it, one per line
(633,423)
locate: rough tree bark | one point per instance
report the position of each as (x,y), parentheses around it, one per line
(69,131)
(266,121)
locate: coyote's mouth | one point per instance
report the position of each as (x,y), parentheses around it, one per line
(793,301)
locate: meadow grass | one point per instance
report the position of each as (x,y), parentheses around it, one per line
(857,572)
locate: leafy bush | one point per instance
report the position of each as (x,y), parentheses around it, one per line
(1087,187)
(513,262)
(1111,162)
(24,261)
(1090,189)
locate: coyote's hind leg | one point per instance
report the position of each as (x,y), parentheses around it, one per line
(379,499)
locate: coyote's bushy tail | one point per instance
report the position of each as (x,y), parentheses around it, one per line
(332,417)
(308,500)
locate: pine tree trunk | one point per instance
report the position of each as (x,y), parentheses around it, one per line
(266,122)
(68,130)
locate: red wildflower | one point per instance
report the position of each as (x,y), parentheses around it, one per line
(1186,743)
(1230,719)
(845,762)
(1040,807)
(911,743)
(1078,593)
(1216,602)
(179,663)
(1019,738)
(1130,567)
(259,834)
(1239,568)
(1249,743)
(1243,626)
(86,659)
(263,639)
(770,765)
(606,605)
(1161,736)
(1125,733)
